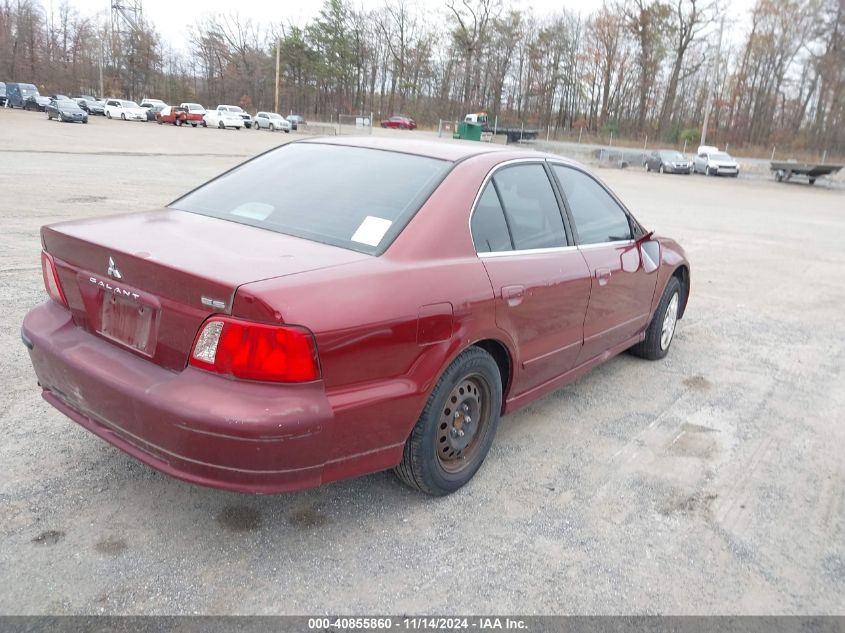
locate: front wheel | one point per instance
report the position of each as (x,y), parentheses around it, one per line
(661,170)
(108,115)
(221,126)
(455,431)
(661,329)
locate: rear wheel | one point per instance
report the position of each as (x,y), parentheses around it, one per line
(456,429)
(204,124)
(661,329)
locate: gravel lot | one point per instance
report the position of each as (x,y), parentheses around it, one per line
(709,483)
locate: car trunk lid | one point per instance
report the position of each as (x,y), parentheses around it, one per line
(147,281)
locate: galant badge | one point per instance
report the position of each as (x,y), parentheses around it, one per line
(112,271)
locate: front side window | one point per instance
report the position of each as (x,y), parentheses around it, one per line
(598,217)
(531,208)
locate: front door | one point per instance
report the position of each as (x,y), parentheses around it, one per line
(540,279)
(622,290)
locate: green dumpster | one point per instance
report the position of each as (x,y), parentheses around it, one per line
(469,131)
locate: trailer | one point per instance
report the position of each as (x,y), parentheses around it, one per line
(785,170)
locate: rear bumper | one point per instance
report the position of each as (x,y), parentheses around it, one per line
(191,425)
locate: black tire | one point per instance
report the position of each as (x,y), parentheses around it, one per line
(178,122)
(435,459)
(647,166)
(812,181)
(123,116)
(204,124)
(661,169)
(193,124)
(108,115)
(220,125)
(652,347)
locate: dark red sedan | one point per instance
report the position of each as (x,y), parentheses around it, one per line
(382,312)
(400,123)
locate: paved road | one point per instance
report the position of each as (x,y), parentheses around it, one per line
(711,482)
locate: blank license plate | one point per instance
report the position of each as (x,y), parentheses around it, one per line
(128,322)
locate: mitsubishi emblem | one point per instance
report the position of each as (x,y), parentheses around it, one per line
(113,272)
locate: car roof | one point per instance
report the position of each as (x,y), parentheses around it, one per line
(443,150)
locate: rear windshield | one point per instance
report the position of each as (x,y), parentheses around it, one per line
(351,197)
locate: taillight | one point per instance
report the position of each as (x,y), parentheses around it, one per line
(256,351)
(51,279)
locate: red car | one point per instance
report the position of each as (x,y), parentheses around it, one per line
(172,114)
(400,123)
(232,340)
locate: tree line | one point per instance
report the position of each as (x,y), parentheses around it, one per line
(633,68)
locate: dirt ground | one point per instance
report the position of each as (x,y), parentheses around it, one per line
(709,483)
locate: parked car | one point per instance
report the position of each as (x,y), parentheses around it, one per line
(18,93)
(90,104)
(295,121)
(668,161)
(195,113)
(125,110)
(66,110)
(399,123)
(713,162)
(175,115)
(428,289)
(153,110)
(2,93)
(271,121)
(222,119)
(239,111)
(36,103)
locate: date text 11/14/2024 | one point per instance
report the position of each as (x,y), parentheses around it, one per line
(339,624)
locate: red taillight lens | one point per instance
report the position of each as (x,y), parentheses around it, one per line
(51,279)
(255,351)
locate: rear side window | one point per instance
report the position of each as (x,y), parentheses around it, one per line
(598,217)
(352,197)
(489,229)
(531,208)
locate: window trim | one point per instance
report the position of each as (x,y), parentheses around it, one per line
(637,229)
(570,237)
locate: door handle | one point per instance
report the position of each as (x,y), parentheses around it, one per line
(603,275)
(513,295)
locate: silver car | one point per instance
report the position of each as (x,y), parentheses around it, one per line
(713,162)
(271,121)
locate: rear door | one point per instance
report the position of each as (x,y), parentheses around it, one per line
(620,300)
(540,279)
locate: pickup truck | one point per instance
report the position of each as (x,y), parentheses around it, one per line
(195,113)
(176,115)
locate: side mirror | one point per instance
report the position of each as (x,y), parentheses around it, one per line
(650,255)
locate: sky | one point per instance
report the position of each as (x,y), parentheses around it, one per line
(172,18)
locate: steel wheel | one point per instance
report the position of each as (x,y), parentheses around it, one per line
(669,321)
(464,421)
(454,432)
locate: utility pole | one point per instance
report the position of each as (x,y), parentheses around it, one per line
(712,84)
(278,46)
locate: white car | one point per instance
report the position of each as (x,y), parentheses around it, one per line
(271,121)
(222,119)
(126,110)
(239,111)
(709,160)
